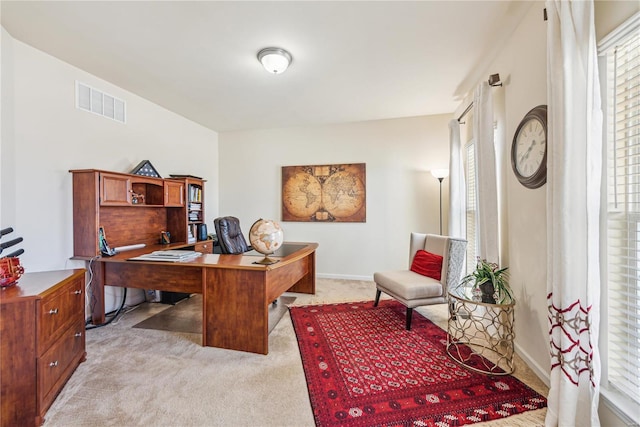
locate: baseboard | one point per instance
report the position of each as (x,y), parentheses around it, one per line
(344,277)
(533,365)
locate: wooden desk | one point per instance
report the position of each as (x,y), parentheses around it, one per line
(236,292)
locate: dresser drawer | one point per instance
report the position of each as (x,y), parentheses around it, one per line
(57,310)
(57,364)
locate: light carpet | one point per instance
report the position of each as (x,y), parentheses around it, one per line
(144,377)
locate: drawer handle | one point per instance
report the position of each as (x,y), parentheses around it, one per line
(53,364)
(77,292)
(78,334)
(53,311)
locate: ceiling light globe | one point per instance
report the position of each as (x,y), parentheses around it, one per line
(274,60)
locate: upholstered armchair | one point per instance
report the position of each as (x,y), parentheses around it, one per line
(230,235)
(425,282)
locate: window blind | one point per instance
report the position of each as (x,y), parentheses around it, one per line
(470,159)
(623,220)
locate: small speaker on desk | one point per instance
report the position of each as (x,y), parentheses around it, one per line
(202,231)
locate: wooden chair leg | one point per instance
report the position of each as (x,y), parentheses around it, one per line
(409,316)
(378,292)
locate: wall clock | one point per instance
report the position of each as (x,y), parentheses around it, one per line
(529,148)
(145,168)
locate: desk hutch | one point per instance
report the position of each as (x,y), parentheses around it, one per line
(135,209)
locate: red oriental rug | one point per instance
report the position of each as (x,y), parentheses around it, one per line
(363,368)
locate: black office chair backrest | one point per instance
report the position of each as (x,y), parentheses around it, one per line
(230,235)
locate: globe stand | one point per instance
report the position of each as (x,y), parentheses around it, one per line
(266,261)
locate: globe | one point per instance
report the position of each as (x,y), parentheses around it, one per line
(266,236)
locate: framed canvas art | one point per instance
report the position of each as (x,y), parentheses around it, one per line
(324,193)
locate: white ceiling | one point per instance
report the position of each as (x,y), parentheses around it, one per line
(352,60)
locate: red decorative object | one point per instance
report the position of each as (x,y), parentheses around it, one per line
(427,264)
(10,271)
(364,368)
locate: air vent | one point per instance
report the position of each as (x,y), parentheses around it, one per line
(98,102)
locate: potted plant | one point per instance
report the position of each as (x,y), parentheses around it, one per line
(491,281)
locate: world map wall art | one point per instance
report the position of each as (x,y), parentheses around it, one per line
(324,193)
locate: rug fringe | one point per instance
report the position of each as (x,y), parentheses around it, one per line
(533,418)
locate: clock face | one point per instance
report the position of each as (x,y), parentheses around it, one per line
(531,146)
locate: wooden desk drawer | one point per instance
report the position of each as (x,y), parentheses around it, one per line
(57,310)
(57,364)
(205,246)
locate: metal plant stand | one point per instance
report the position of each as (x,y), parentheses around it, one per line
(480,335)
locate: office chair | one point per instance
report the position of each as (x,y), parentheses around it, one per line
(230,235)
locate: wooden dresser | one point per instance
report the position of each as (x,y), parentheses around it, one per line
(42,342)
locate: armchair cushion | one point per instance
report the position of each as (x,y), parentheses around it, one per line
(409,285)
(427,264)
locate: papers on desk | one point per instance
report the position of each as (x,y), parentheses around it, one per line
(175,255)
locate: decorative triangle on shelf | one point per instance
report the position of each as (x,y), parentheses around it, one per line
(145,168)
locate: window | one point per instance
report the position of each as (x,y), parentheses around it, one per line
(471,205)
(621,351)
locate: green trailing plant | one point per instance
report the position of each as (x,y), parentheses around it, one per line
(488,273)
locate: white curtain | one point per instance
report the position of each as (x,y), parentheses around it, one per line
(487,221)
(573,204)
(457,200)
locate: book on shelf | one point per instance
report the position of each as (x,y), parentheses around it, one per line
(191,238)
(177,175)
(195,193)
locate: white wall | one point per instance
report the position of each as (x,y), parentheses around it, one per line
(44,135)
(522,67)
(402,196)
(7,138)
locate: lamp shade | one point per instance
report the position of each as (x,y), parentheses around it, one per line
(274,59)
(440,173)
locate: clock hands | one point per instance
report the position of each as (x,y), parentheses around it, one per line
(525,156)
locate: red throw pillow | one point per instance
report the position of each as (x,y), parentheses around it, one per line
(427,264)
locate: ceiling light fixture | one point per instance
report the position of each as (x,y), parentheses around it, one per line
(274,59)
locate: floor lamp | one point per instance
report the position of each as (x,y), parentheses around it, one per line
(440,174)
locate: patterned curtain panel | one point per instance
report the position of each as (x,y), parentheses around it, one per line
(573,213)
